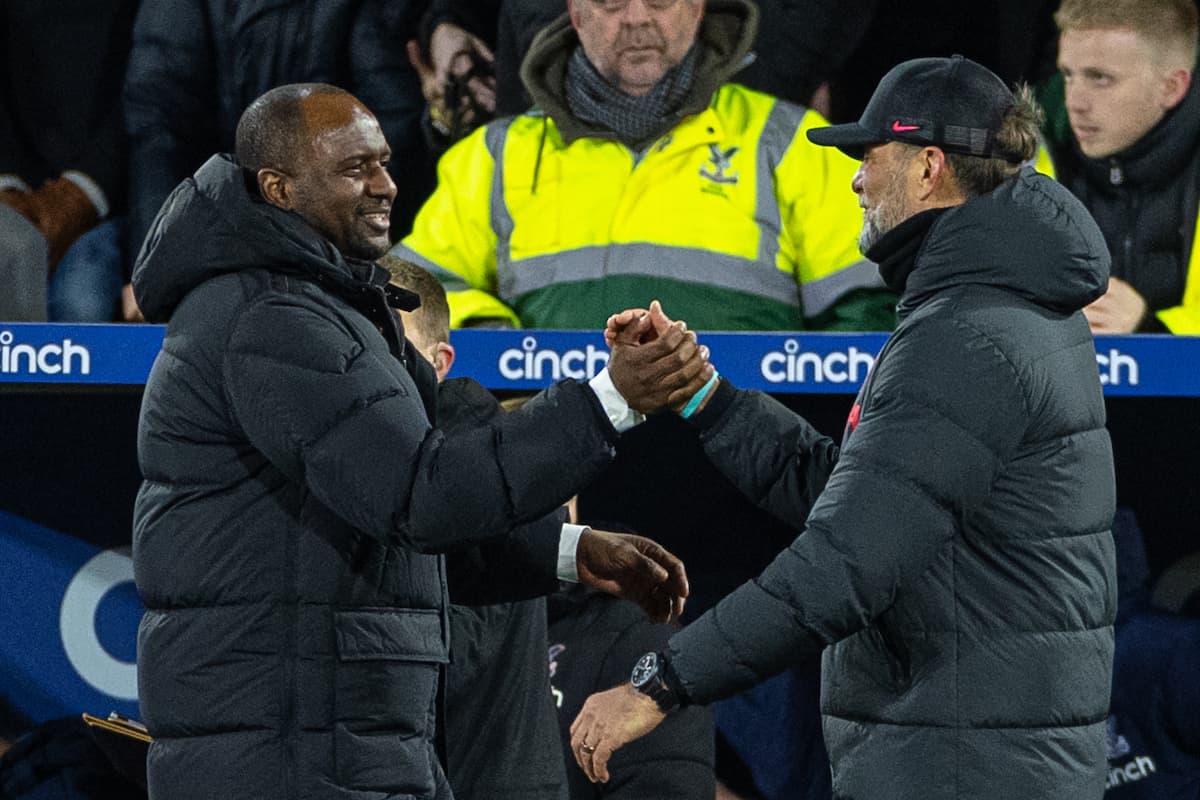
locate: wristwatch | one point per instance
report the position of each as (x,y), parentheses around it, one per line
(649,677)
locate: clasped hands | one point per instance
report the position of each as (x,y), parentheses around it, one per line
(656,362)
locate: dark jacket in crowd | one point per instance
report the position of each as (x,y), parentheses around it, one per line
(957,569)
(1145,200)
(501,728)
(594,640)
(1153,726)
(61,67)
(197,64)
(295,500)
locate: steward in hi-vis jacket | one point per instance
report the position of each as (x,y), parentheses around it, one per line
(717,205)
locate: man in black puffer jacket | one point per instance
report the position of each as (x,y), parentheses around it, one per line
(957,569)
(296,500)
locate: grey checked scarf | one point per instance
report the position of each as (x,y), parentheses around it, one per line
(635,120)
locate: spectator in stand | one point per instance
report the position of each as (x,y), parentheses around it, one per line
(197,64)
(62,158)
(646,173)
(1134,156)
(501,730)
(593,639)
(1154,719)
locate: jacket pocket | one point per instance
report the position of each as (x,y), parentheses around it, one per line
(385,687)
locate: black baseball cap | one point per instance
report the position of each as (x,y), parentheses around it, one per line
(952,103)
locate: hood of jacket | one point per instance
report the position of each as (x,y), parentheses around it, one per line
(726,40)
(1029,236)
(214,223)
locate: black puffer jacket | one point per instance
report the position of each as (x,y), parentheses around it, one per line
(957,569)
(294,501)
(197,64)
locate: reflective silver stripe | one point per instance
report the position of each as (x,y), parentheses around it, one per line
(502,222)
(719,270)
(452,282)
(818,296)
(777,134)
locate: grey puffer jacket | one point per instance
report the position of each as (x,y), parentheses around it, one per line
(295,502)
(957,569)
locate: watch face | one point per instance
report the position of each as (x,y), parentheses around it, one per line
(645,670)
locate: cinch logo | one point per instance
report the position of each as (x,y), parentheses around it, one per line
(795,366)
(1135,770)
(530,363)
(49,359)
(1117,369)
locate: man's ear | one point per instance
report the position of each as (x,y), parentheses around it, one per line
(275,187)
(573,12)
(931,165)
(1175,87)
(443,358)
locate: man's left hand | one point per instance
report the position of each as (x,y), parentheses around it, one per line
(634,568)
(608,721)
(1120,309)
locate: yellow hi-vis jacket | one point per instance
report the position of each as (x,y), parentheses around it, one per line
(733,219)
(1185,318)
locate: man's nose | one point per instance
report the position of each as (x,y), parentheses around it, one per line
(856,183)
(1076,97)
(381,184)
(636,12)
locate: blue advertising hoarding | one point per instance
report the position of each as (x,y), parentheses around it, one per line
(828,363)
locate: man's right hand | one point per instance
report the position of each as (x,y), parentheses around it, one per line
(655,362)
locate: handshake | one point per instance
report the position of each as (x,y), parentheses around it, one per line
(656,362)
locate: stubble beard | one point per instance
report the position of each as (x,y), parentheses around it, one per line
(889,212)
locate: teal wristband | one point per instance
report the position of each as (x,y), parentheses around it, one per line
(699,396)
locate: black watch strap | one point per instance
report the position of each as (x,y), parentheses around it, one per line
(653,677)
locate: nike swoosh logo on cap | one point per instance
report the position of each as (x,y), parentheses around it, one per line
(898,128)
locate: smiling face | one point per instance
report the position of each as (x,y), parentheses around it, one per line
(633,44)
(1116,89)
(883,187)
(341,186)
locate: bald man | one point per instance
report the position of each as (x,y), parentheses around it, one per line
(297,498)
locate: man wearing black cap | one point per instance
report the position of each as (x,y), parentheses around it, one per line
(956,570)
